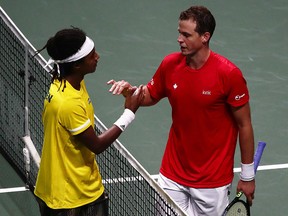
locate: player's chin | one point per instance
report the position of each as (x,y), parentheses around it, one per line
(184,50)
(94,68)
(92,71)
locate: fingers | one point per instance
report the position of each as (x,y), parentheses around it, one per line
(119,87)
(138,91)
(248,188)
(250,200)
(110,82)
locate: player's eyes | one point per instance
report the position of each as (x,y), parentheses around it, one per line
(184,34)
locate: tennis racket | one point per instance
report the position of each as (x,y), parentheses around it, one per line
(238,207)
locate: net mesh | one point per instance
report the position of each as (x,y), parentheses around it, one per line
(131,191)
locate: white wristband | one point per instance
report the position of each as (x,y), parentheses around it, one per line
(247,172)
(125,119)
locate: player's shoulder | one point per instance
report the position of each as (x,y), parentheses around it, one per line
(174,55)
(223,62)
(224,66)
(174,58)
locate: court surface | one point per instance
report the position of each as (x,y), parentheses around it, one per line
(132,37)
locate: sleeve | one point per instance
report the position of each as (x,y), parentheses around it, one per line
(74,118)
(157,83)
(238,93)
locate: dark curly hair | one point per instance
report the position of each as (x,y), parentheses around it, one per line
(64,44)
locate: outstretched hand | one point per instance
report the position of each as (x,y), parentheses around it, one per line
(134,95)
(121,87)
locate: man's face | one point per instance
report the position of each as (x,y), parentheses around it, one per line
(90,62)
(189,40)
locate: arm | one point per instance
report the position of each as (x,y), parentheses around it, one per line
(98,144)
(148,100)
(242,117)
(246,138)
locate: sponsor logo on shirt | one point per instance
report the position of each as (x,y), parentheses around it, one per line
(175,86)
(206,92)
(238,97)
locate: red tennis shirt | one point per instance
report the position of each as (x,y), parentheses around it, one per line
(203,135)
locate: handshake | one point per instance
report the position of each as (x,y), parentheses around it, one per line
(134,95)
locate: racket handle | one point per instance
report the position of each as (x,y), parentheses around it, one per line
(258,154)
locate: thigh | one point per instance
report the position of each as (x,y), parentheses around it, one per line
(177,192)
(210,201)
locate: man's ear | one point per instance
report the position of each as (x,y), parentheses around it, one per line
(205,37)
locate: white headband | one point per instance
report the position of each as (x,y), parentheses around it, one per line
(82,52)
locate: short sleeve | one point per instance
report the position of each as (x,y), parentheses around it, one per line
(156,84)
(238,93)
(74,117)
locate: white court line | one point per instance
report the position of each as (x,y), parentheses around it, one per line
(238,169)
(267,167)
(15,189)
(155,177)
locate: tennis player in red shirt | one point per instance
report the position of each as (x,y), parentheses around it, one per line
(210,112)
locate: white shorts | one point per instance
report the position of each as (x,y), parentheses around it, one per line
(197,201)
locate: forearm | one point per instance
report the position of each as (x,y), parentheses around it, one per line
(247,182)
(107,138)
(246,142)
(98,144)
(246,138)
(148,100)
(110,135)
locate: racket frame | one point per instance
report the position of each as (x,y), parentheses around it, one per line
(234,201)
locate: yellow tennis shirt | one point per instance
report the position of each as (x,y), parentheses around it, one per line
(68,176)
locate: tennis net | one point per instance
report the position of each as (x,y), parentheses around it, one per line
(23,85)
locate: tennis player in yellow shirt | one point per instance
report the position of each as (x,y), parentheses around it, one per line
(69,182)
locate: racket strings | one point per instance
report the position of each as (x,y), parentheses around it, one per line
(238,209)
